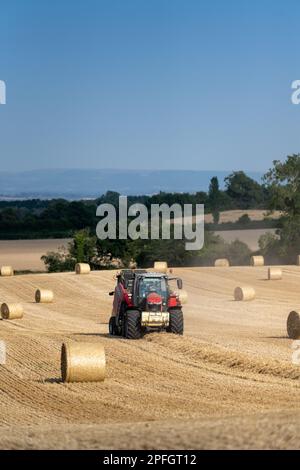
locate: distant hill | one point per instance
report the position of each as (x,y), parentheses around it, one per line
(75,184)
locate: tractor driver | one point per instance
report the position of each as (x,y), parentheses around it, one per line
(148,286)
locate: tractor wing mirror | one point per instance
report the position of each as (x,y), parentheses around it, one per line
(111,293)
(179,283)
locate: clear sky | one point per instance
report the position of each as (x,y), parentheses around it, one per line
(148,84)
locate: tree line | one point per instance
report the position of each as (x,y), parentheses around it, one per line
(61,218)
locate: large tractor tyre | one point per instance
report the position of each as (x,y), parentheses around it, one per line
(114,329)
(112,326)
(132,325)
(176,325)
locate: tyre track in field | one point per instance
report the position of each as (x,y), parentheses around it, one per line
(193,350)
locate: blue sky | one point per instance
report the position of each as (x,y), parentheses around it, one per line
(148,84)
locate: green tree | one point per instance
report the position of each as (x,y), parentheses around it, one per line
(238,253)
(283,183)
(83,246)
(216,216)
(244,219)
(214,198)
(214,193)
(244,191)
(59,261)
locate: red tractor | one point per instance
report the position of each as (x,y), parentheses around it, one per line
(145,301)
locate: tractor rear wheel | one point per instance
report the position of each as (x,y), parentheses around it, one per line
(176,322)
(132,325)
(112,326)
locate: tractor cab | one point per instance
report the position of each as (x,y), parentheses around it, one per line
(151,292)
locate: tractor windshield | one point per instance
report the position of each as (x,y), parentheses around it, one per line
(153,284)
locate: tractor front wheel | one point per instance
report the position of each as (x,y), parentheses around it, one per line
(176,322)
(132,325)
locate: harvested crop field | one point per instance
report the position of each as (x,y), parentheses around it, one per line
(250,237)
(234,215)
(26,254)
(227,383)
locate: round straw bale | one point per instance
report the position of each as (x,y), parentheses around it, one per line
(11,311)
(257,261)
(183,295)
(83,362)
(7,271)
(161,267)
(44,296)
(222,263)
(82,268)
(293,325)
(244,293)
(274,274)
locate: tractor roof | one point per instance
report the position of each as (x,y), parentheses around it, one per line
(132,271)
(130,274)
(150,274)
(140,272)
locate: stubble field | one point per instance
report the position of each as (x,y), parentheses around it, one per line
(227,383)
